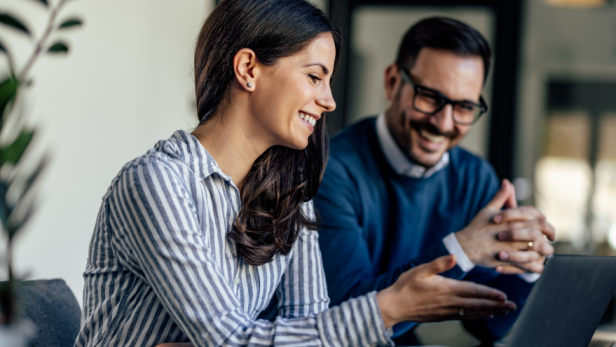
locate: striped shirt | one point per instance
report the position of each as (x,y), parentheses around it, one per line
(161,268)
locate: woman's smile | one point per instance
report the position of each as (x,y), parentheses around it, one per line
(308,118)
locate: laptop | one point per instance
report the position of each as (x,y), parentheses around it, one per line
(567,303)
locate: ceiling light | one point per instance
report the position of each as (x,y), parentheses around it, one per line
(576,3)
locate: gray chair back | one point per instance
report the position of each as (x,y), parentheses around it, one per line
(53,308)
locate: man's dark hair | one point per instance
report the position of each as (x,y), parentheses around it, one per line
(446,34)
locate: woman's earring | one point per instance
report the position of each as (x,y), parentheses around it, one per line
(249,84)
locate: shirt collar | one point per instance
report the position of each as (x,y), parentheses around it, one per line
(185,147)
(396,158)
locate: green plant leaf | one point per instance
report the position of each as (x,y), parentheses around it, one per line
(8,90)
(70,23)
(58,47)
(13,152)
(44,2)
(10,20)
(15,227)
(5,210)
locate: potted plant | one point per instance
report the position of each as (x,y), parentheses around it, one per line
(17,198)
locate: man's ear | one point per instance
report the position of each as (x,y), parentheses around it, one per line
(246,68)
(392,81)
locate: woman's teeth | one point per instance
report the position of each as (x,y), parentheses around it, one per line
(307,118)
(432,137)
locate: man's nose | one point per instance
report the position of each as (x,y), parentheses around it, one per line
(443,119)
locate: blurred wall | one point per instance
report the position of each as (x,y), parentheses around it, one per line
(126,83)
(576,44)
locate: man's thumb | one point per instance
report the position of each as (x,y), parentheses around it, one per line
(505,194)
(439,265)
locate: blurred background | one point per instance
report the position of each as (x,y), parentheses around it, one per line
(126,82)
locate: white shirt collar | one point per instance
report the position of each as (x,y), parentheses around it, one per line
(396,158)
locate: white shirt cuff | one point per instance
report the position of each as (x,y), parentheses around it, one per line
(530,277)
(453,247)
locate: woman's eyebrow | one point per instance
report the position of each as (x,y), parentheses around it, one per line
(325,69)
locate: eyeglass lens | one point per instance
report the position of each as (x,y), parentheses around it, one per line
(429,102)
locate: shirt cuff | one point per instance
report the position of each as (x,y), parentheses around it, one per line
(453,247)
(356,322)
(530,277)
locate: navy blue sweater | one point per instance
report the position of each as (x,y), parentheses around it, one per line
(377,224)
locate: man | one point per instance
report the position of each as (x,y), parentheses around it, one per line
(398,192)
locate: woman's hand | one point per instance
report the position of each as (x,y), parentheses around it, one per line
(421,295)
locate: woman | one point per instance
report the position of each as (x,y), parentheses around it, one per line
(195,237)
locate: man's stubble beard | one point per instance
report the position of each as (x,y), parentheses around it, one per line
(400,129)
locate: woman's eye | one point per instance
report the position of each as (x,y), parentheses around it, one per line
(314,78)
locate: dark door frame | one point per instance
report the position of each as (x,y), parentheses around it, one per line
(506,54)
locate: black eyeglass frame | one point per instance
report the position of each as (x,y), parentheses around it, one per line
(406,77)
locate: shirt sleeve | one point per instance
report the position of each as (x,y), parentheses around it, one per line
(302,290)
(453,247)
(158,235)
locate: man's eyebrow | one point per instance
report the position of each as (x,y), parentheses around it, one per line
(325,69)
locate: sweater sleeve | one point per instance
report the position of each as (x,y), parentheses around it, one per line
(160,238)
(349,266)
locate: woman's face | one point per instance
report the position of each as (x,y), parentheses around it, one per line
(290,97)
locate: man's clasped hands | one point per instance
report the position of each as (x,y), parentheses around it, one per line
(508,238)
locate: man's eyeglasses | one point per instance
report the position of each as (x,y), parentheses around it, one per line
(430,101)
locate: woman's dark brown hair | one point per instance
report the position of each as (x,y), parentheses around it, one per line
(281,179)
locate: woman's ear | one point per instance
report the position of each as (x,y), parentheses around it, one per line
(392,81)
(245,68)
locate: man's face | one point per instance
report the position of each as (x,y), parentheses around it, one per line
(425,138)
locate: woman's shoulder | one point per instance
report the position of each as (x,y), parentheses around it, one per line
(308,209)
(180,158)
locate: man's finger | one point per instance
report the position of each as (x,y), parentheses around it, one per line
(543,248)
(522,234)
(532,267)
(509,270)
(502,196)
(511,201)
(518,214)
(518,256)
(436,266)
(541,225)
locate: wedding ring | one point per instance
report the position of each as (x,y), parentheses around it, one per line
(530,246)
(461,313)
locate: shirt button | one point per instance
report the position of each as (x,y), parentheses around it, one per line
(237,280)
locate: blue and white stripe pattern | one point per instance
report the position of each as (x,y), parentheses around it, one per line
(161,268)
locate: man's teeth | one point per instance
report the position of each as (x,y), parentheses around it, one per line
(308,118)
(432,137)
